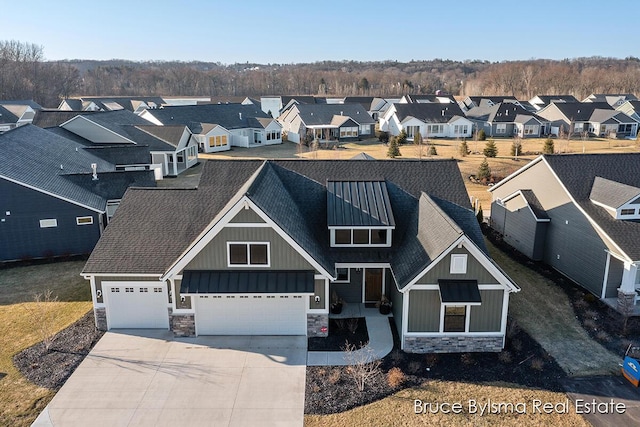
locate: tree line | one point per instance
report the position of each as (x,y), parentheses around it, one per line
(24,74)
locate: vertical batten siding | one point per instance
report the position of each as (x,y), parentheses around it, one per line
(475,270)
(282,256)
(424,311)
(352,291)
(396,305)
(318,292)
(487,317)
(247,216)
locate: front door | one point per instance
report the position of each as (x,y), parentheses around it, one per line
(373,284)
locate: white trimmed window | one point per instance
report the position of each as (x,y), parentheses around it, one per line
(531,129)
(48,223)
(218,141)
(248,254)
(360,237)
(342,275)
(458,264)
(455,318)
(501,128)
(84,220)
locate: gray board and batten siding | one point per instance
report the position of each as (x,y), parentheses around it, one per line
(517,224)
(475,270)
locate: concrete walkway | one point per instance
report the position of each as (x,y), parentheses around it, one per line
(380,344)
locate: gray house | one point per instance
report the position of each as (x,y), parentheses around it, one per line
(580,214)
(507,119)
(56,197)
(265,253)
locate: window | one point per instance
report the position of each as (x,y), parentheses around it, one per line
(218,141)
(342,274)
(531,129)
(365,129)
(248,254)
(84,220)
(458,264)
(412,131)
(273,135)
(48,223)
(460,129)
(627,211)
(454,318)
(348,132)
(433,129)
(501,128)
(360,237)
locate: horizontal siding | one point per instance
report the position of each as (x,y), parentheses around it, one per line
(424,311)
(282,256)
(520,226)
(614,280)
(475,270)
(487,317)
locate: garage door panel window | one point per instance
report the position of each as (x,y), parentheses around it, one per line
(250,254)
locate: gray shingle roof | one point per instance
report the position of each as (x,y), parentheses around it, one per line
(34,157)
(293,193)
(323,114)
(611,193)
(52,118)
(578,173)
(30,102)
(7,116)
(534,204)
(229,116)
(505,112)
(580,111)
(428,112)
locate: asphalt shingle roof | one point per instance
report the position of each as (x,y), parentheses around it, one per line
(612,193)
(229,116)
(428,112)
(578,174)
(324,114)
(52,118)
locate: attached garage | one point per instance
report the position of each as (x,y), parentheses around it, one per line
(251,315)
(135,305)
(249,302)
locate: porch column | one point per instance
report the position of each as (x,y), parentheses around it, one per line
(627,289)
(175,166)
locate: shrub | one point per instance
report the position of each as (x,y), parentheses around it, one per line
(591,314)
(482,135)
(432,150)
(394,149)
(397,356)
(402,137)
(363,365)
(516,345)
(603,336)
(537,364)
(516,147)
(383,136)
(414,367)
(43,316)
(352,325)
(464,148)
(548,146)
(432,359)
(480,215)
(395,377)
(467,359)
(590,324)
(484,171)
(490,149)
(334,377)
(505,357)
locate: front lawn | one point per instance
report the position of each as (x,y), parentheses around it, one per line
(20,400)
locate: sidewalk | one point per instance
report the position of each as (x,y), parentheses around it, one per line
(380,344)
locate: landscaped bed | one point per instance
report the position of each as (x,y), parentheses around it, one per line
(331,389)
(51,368)
(351,331)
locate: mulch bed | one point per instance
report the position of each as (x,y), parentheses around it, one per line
(340,333)
(330,389)
(602,323)
(50,369)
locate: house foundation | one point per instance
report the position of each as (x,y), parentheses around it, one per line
(452,344)
(317,325)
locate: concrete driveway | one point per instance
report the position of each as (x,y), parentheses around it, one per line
(149,378)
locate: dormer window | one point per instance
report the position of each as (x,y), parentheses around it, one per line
(359,214)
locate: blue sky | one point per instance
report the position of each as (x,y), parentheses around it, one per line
(307,31)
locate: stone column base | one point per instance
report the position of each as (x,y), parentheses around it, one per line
(626,301)
(182,325)
(452,344)
(100,315)
(317,325)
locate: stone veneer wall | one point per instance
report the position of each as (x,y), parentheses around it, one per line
(315,323)
(452,344)
(182,325)
(626,301)
(101,318)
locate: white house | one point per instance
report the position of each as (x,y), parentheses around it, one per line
(432,120)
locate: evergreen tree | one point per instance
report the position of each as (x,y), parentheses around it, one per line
(432,150)
(394,149)
(482,135)
(417,138)
(479,215)
(548,146)
(402,137)
(464,148)
(484,171)
(490,150)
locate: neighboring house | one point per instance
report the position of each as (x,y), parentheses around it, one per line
(136,104)
(427,99)
(264,253)
(172,149)
(56,197)
(16,113)
(613,99)
(580,214)
(246,125)
(431,120)
(508,119)
(597,118)
(541,101)
(486,101)
(631,109)
(327,122)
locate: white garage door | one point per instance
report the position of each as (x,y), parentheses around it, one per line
(251,315)
(136,305)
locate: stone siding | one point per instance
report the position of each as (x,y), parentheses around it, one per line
(182,325)
(626,302)
(452,344)
(316,323)
(101,318)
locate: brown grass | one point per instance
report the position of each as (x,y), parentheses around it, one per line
(20,400)
(398,409)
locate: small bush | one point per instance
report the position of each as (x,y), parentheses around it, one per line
(334,377)
(590,324)
(591,314)
(537,364)
(394,149)
(548,146)
(464,148)
(484,171)
(590,298)
(516,345)
(581,304)
(512,327)
(505,357)
(432,359)
(432,150)
(482,135)
(490,149)
(401,139)
(352,325)
(603,336)
(467,359)
(383,137)
(397,356)
(395,377)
